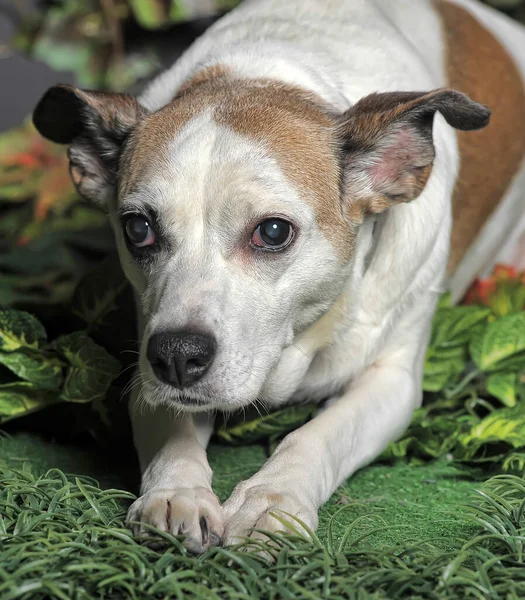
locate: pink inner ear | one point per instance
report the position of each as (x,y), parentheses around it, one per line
(395,159)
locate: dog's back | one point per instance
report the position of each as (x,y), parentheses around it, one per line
(486,59)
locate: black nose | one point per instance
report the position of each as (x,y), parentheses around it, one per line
(180,358)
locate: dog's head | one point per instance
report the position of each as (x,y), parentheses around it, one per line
(236,209)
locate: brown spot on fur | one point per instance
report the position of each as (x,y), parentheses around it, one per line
(212,73)
(479,65)
(274,499)
(292,124)
(298,132)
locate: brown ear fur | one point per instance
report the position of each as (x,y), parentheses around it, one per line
(386,142)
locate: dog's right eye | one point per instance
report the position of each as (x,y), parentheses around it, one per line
(139,232)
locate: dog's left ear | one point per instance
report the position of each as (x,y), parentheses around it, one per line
(387,147)
(95,125)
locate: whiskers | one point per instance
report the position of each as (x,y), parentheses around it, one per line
(140,403)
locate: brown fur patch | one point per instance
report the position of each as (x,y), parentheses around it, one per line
(479,66)
(206,75)
(292,124)
(295,129)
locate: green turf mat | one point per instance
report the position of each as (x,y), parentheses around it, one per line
(64,538)
(416,501)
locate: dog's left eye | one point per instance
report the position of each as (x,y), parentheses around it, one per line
(272,234)
(139,232)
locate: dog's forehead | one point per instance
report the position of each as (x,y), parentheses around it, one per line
(273,119)
(211,174)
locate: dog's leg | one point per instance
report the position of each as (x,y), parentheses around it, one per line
(313,461)
(176,494)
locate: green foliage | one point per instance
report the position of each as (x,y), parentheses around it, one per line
(20,398)
(256,428)
(48,238)
(64,538)
(505,425)
(73,368)
(475,368)
(447,353)
(503,386)
(501,345)
(20,330)
(98,293)
(90,369)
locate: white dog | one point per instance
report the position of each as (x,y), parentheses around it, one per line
(283,200)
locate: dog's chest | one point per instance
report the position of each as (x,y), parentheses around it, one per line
(325,373)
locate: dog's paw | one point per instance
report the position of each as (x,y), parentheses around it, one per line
(252,508)
(194,513)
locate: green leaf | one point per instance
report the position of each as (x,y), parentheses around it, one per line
(261,427)
(50,287)
(40,368)
(501,346)
(19,329)
(91,369)
(96,296)
(503,387)
(503,425)
(399,449)
(446,356)
(20,398)
(151,14)
(442,366)
(445,301)
(515,461)
(454,326)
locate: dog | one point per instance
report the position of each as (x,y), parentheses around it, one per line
(289,200)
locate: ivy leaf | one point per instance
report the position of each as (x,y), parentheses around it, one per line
(502,425)
(96,296)
(442,366)
(454,326)
(40,368)
(503,387)
(21,398)
(400,448)
(91,369)
(501,346)
(261,427)
(446,356)
(19,329)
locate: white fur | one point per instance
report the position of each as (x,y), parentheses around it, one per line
(367,352)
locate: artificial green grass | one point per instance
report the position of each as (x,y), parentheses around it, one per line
(393,531)
(64,538)
(416,501)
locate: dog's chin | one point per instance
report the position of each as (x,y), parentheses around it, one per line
(189,400)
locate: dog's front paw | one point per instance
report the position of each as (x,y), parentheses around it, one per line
(252,508)
(194,513)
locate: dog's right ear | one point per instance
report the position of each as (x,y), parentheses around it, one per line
(95,125)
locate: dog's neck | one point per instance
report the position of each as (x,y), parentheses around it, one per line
(339,318)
